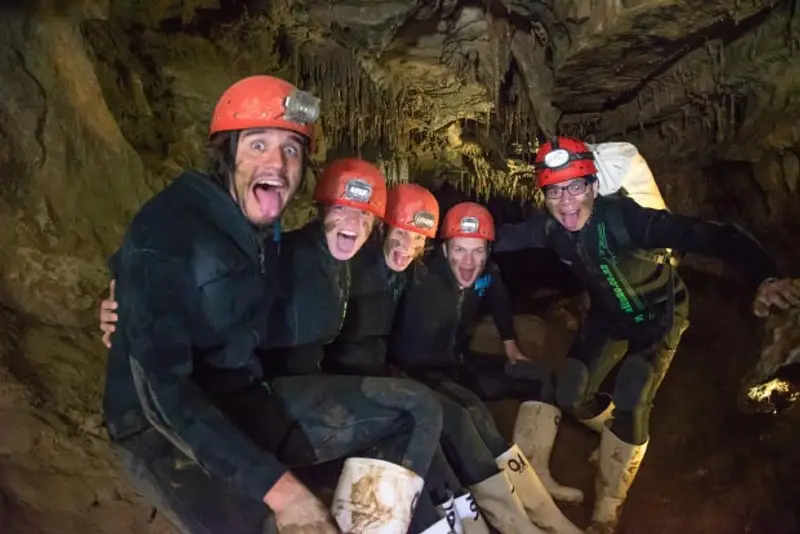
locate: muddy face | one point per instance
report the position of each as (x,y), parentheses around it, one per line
(401,247)
(346,230)
(269,167)
(774,384)
(571,202)
(467,257)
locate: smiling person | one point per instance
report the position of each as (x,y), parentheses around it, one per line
(639,309)
(206,433)
(429,342)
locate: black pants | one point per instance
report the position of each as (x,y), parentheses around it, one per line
(330,417)
(645,360)
(492,377)
(336,416)
(194,501)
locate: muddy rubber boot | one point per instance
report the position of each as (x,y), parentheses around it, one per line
(501,507)
(538,503)
(619,463)
(599,421)
(447,510)
(375,497)
(470,516)
(535,432)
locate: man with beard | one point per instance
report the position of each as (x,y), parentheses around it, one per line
(639,308)
(429,342)
(196,279)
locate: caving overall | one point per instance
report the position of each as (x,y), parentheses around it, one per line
(638,313)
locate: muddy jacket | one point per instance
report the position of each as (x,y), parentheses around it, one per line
(310,304)
(376,289)
(195,283)
(434,315)
(619,255)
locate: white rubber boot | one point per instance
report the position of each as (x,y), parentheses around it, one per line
(470,516)
(440,527)
(500,505)
(535,432)
(619,463)
(375,497)
(538,503)
(447,510)
(600,421)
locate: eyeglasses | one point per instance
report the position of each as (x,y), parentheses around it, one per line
(555,192)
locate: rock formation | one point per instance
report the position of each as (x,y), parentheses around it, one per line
(102,102)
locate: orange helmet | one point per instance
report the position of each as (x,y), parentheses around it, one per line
(413,208)
(265,102)
(355,183)
(562,159)
(468,219)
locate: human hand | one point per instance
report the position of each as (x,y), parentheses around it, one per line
(108,315)
(297,510)
(783,293)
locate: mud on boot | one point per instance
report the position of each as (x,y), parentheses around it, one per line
(375,497)
(530,491)
(535,432)
(619,463)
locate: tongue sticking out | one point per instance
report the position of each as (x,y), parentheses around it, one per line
(269,201)
(399,258)
(571,220)
(345,243)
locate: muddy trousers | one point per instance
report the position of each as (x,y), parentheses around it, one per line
(492,377)
(333,417)
(194,501)
(644,363)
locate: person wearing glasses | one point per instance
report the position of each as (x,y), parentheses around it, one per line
(639,307)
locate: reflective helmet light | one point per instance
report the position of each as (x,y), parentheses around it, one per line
(557,158)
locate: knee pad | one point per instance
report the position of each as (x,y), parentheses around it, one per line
(571,383)
(633,384)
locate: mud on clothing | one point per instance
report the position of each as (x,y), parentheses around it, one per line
(375,291)
(195,283)
(430,336)
(637,298)
(310,305)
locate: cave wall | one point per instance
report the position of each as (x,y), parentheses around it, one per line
(102,102)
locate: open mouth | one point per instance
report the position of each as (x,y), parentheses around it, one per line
(400,258)
(346,240)
(570,218)
(267,193)
(774,394)
(466,274)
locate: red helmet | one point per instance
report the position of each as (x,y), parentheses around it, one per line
(413,208)
(355,183)
(563,159)
(468,219)
(265,102)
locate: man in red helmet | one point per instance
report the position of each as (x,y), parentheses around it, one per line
(196,277)
(429,342)
(638,313)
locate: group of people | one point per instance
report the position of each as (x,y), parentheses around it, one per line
(241,357)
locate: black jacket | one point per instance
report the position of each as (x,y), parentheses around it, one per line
(612,254)
(195,283)
(310,304)
(375,292)
(434,316)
